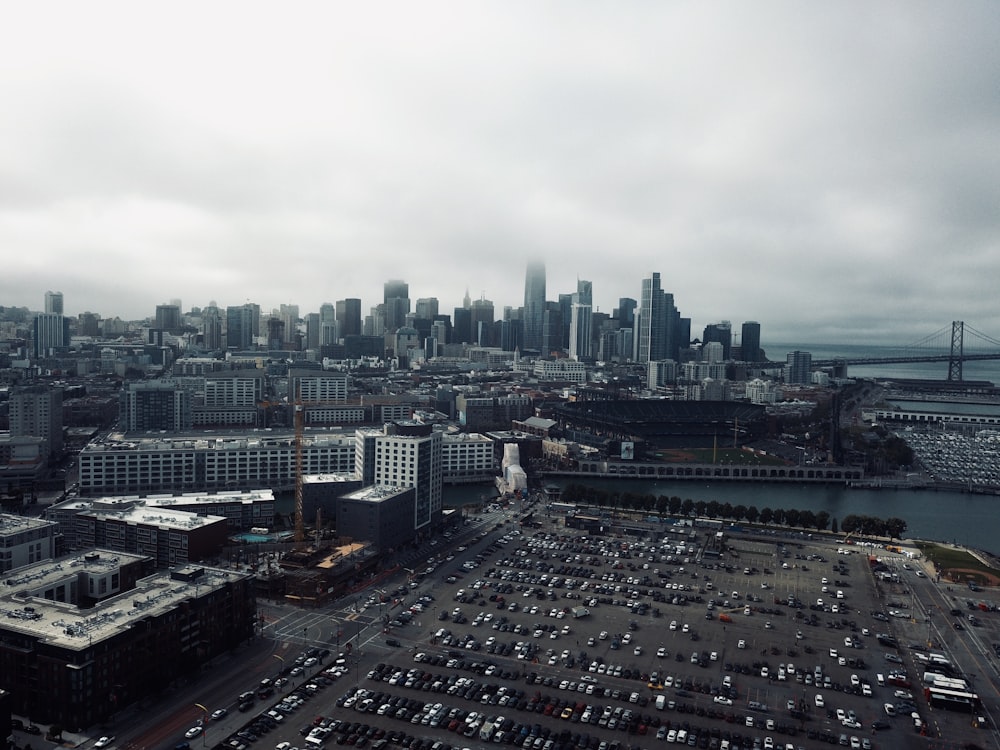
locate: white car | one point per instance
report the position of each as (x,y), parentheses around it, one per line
(104,741)
(219,713)
(192,732)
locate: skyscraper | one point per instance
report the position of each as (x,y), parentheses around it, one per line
(798,368)
(349,317)
(168,317)
(51,331)
(211,328)
(482,322)
(721,333)
(242,325)
(580,332)
(397,303)
(534,307)
(750,341)
(652,340)
(54,302)
(661,332)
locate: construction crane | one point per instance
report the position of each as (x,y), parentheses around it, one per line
(298,421)
(300,533)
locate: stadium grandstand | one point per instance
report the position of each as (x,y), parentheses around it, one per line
(662,424)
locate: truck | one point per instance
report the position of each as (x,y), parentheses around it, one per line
(661,702)
(487,730)
(579,612)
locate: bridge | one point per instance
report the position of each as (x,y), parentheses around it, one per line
(946,345)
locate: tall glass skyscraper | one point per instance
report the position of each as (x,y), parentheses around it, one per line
(534,306)
(750,341)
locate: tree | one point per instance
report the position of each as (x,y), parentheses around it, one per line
(675,505)
(833,526)
(687,506)
(792,517)
(807,519)
(714,508)
(822,520)
(895,528)
(739,512)
(766,516)
(753,514)
(699,507)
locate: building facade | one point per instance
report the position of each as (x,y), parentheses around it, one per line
(36,411)
(534,307)
(89,635)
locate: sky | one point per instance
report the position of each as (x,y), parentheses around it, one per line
(830,170)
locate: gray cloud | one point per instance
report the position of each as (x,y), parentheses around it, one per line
(829,171)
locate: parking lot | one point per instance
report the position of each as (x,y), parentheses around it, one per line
(550,638)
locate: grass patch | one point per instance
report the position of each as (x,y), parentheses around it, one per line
(958,564)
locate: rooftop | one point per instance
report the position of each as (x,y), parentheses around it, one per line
(24,610)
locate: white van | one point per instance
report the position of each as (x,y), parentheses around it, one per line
(661,702)
(880,679)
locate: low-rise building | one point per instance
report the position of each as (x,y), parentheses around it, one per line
(84,637)
(25,541)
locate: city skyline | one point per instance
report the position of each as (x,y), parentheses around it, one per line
(827,171)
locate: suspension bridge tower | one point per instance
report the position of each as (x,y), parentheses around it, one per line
(955,356)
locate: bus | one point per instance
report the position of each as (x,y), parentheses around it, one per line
(954,700)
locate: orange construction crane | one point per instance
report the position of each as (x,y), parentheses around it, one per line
(298,421)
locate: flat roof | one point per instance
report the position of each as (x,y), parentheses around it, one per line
(136,512)
(375,493)
(24,610)
(11,524)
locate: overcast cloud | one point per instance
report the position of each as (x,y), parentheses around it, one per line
(831,170)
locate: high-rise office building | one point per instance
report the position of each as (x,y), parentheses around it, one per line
(651,343)
(50,333)
(580,332)
(581,335)
(312,330)
(396,299)
(276,336)
(482,322)
(36,411)
(155,405)
(721,333)
(88,324)
(405,454)
(168,317)
(798,368)
(242,326)
(211,328)
(534,307)
(552,329)
(750,341)
(426,308)
(327,324)
(54,302)
(348,317)
(626,312)
(461,331)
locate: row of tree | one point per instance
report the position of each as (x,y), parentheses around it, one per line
(872,526)
(662,505)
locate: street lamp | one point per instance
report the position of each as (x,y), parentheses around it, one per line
(204,724)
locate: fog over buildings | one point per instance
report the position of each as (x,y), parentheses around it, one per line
(829,171)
